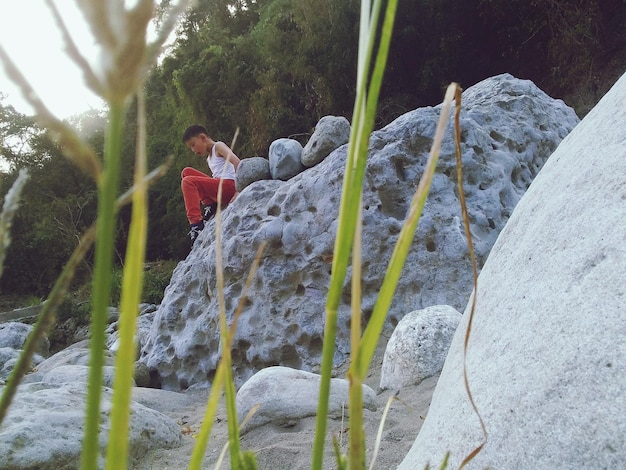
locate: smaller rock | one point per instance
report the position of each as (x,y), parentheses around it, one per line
(286,394)
(144,323)
(72,356)
(250,170)
(418,346)
(14,335)
(8,359)
(330,133)
(285,159)
(77,375)
(142,375)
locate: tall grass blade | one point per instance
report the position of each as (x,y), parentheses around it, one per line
(9,208)
(245,421)
(207,422)
(121,34)
(362,124)
(107,193)
(229,383)
(470,246)
(221,374)
(340,459)
(355,382)
(132,284)
(405,239)
(379,434)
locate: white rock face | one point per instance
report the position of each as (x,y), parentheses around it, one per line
(44,428)
(418,346)
(74,357)
(72,374)
(286,395)
(510,127)
(547,352)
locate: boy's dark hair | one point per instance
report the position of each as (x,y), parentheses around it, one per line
(194,131)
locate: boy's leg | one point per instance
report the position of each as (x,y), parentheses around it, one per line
(203,188)
(188,171)
(209,190)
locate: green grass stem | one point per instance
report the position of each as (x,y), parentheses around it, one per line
(105,234)
(132,283)
(362,125)
(355,405)
(405,239)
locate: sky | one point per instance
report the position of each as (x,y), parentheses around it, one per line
(30,37)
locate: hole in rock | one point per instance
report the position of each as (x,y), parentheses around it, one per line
(274,210)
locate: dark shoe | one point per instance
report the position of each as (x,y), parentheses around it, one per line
(209,212)
(195,230)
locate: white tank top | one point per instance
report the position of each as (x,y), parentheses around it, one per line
(218,165)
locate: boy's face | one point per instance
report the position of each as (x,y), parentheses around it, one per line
(199,145)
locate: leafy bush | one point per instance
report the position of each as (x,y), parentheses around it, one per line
(157,276)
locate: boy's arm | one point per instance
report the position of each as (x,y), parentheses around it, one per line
(225,152)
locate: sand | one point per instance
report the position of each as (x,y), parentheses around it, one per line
(290,447)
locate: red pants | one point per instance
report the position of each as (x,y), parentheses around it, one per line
(198,187)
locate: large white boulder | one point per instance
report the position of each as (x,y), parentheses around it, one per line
(546,357)
(510,127)
(45,424)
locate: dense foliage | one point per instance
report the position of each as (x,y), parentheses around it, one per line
(272,68)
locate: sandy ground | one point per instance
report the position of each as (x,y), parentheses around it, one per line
(290,448)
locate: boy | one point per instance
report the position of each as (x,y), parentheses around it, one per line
(198,187)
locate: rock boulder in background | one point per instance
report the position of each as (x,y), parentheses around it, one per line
(510,127)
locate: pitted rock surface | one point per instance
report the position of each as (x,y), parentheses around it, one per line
(510,127)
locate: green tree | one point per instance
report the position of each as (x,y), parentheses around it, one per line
(57,204)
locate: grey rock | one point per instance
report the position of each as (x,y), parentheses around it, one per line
(165,401)
(141,374)
(284,395)
(8,359)
(73,374)
(510,127)
(14,335)
(546,353)
(72,356)
(144,323)
(418,346)
(330,133)
(250,170)
(284,159)
(44,428)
